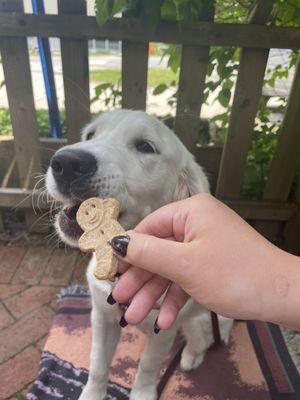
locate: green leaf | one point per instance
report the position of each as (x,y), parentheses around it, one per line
(228,84)
(224,97)
(106,9)
(118,6)
(152,12)
(173,52)
(168,11)
(162,87)
(99,89)
(224,118)
(102,12)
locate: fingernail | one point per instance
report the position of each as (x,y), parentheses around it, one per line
(120,244)
(123,322)
(156,328)
(111,300)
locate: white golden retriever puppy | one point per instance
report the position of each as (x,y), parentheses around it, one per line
(136,159)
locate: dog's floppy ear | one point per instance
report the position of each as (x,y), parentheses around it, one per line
(192,180)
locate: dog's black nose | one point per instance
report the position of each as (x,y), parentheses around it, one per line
(68,165)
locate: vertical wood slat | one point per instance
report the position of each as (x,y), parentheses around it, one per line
(246,96)
(75,63)
(284,163)
(194,62)
(2,223)
(16,67)
(292,227)
(193,69)
(134,75)
(17,74)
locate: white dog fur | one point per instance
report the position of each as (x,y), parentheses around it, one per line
(142,182)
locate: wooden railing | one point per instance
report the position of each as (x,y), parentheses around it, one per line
(225,166)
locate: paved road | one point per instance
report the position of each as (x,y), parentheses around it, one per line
(277,56)
(97,62)
(155,104)
(282,86)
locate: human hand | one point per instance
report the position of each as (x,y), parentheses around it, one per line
(213,256)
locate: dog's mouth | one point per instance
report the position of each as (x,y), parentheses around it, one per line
(66,220)
(67,223)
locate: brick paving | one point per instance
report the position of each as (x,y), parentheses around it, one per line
(30,278)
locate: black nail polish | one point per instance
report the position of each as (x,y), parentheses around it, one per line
(156,328)
(111,300)
(120,244)
(123,322)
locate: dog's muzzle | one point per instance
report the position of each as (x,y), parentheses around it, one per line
(72,171)
(66,219)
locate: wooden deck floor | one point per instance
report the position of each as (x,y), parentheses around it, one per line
(30,278)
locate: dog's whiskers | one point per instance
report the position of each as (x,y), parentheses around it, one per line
(39,219)
(40,198)
(35,189)
(53,241)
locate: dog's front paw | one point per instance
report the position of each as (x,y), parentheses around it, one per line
(92,392)
(190,360)
(146,393)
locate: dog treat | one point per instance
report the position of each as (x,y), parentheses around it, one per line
(98,219)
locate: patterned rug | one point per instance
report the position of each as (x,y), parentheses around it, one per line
(259,363)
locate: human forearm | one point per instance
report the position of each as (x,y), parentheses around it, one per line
(280,291)
(216,258)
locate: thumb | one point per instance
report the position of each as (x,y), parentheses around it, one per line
(159,256)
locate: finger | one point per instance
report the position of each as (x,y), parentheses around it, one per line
(173,302)
(144,300)
(129,283)
(166,222)
(160,256)
(122,266)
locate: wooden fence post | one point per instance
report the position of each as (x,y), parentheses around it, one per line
(284,164)
(16,67)
(134,75)
(75,63)
(193,69)
(246,96)
(2,222)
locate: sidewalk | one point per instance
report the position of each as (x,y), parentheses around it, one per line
(30,278)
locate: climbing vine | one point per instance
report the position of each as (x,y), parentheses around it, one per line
(222,68)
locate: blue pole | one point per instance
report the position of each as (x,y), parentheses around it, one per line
(47,67)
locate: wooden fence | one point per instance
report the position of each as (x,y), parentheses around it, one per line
(25,156)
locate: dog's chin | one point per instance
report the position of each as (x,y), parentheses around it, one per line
(67,226)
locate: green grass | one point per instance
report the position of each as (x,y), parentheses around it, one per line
(155,76)
(5,123)
(21,396)
(43,122)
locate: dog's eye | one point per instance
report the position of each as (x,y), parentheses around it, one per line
(90,135)
(144,147)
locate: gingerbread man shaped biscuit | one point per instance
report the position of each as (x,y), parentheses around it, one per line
(98,219)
